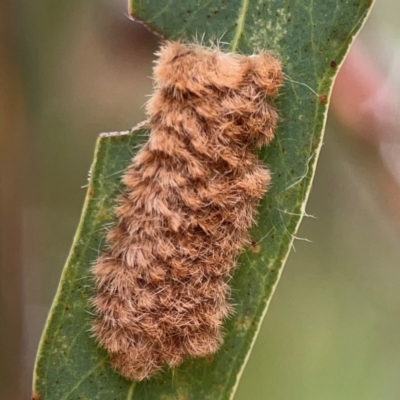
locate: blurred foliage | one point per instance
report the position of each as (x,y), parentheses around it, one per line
(332,329)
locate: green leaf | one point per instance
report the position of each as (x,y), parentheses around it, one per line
(311,38)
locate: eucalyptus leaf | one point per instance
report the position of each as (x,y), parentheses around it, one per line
(311,38)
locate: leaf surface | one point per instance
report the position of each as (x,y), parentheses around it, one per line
(311,38)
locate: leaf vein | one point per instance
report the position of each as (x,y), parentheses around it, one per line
(84,377)
(240,24)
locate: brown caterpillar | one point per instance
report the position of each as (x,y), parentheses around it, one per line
(191,195)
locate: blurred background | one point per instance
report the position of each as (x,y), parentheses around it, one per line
(72,69)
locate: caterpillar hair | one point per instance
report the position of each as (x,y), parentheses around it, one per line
(190,197)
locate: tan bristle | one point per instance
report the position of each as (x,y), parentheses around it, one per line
(190,198)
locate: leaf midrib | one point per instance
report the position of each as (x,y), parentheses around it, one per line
(240,24)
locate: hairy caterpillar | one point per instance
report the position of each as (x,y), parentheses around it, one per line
(190,197)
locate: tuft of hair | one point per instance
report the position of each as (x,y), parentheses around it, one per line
(190,197)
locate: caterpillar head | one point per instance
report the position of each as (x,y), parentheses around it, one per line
(199,70)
